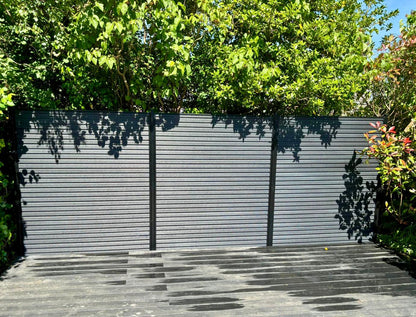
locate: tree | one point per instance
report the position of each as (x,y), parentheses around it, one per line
(33,37)
(287,57)
(393,90)
(139,53)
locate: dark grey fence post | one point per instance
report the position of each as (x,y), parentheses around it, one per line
(14,157)
(272,180)
(152,182)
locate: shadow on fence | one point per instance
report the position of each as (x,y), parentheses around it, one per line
(354,213)
(291,130)
(113,130)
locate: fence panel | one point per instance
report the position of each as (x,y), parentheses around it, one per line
(317,199)
(84,181)
(212,180)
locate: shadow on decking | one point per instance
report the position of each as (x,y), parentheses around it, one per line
(327,280)
(242,281)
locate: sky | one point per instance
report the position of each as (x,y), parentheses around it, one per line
(405,7)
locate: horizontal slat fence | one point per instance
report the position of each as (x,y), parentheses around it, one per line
(310,179)
(85,181)
(92,191)
(212,181)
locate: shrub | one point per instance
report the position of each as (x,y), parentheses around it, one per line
(402,240)
(397,169)
(6,221)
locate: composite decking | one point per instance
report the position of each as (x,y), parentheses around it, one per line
(349,280)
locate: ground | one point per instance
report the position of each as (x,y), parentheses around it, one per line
(349,280)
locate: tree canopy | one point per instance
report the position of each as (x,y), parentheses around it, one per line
(249,56)
(393,91)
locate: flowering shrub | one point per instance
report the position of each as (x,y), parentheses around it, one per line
(397,169)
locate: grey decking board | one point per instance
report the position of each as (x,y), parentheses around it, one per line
(183,283)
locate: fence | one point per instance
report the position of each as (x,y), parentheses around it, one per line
(95,181)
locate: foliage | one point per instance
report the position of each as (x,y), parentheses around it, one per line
(5,102)
(397,169)
(393,96)
(139,51)
(393,91)
(286,57)
(7,227)
(33,37)
(402,240)
(289,57)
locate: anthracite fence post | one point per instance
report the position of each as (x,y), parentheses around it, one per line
(272,181)
(12,135)
(152,181)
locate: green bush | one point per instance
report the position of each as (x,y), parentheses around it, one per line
(7,226)
(7,222)
(402,240)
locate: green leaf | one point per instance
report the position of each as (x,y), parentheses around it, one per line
(119,27)
(94,20)
(99,6)
(122,8)
(102,60)
(188,69)
(109,28)
(110,62)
